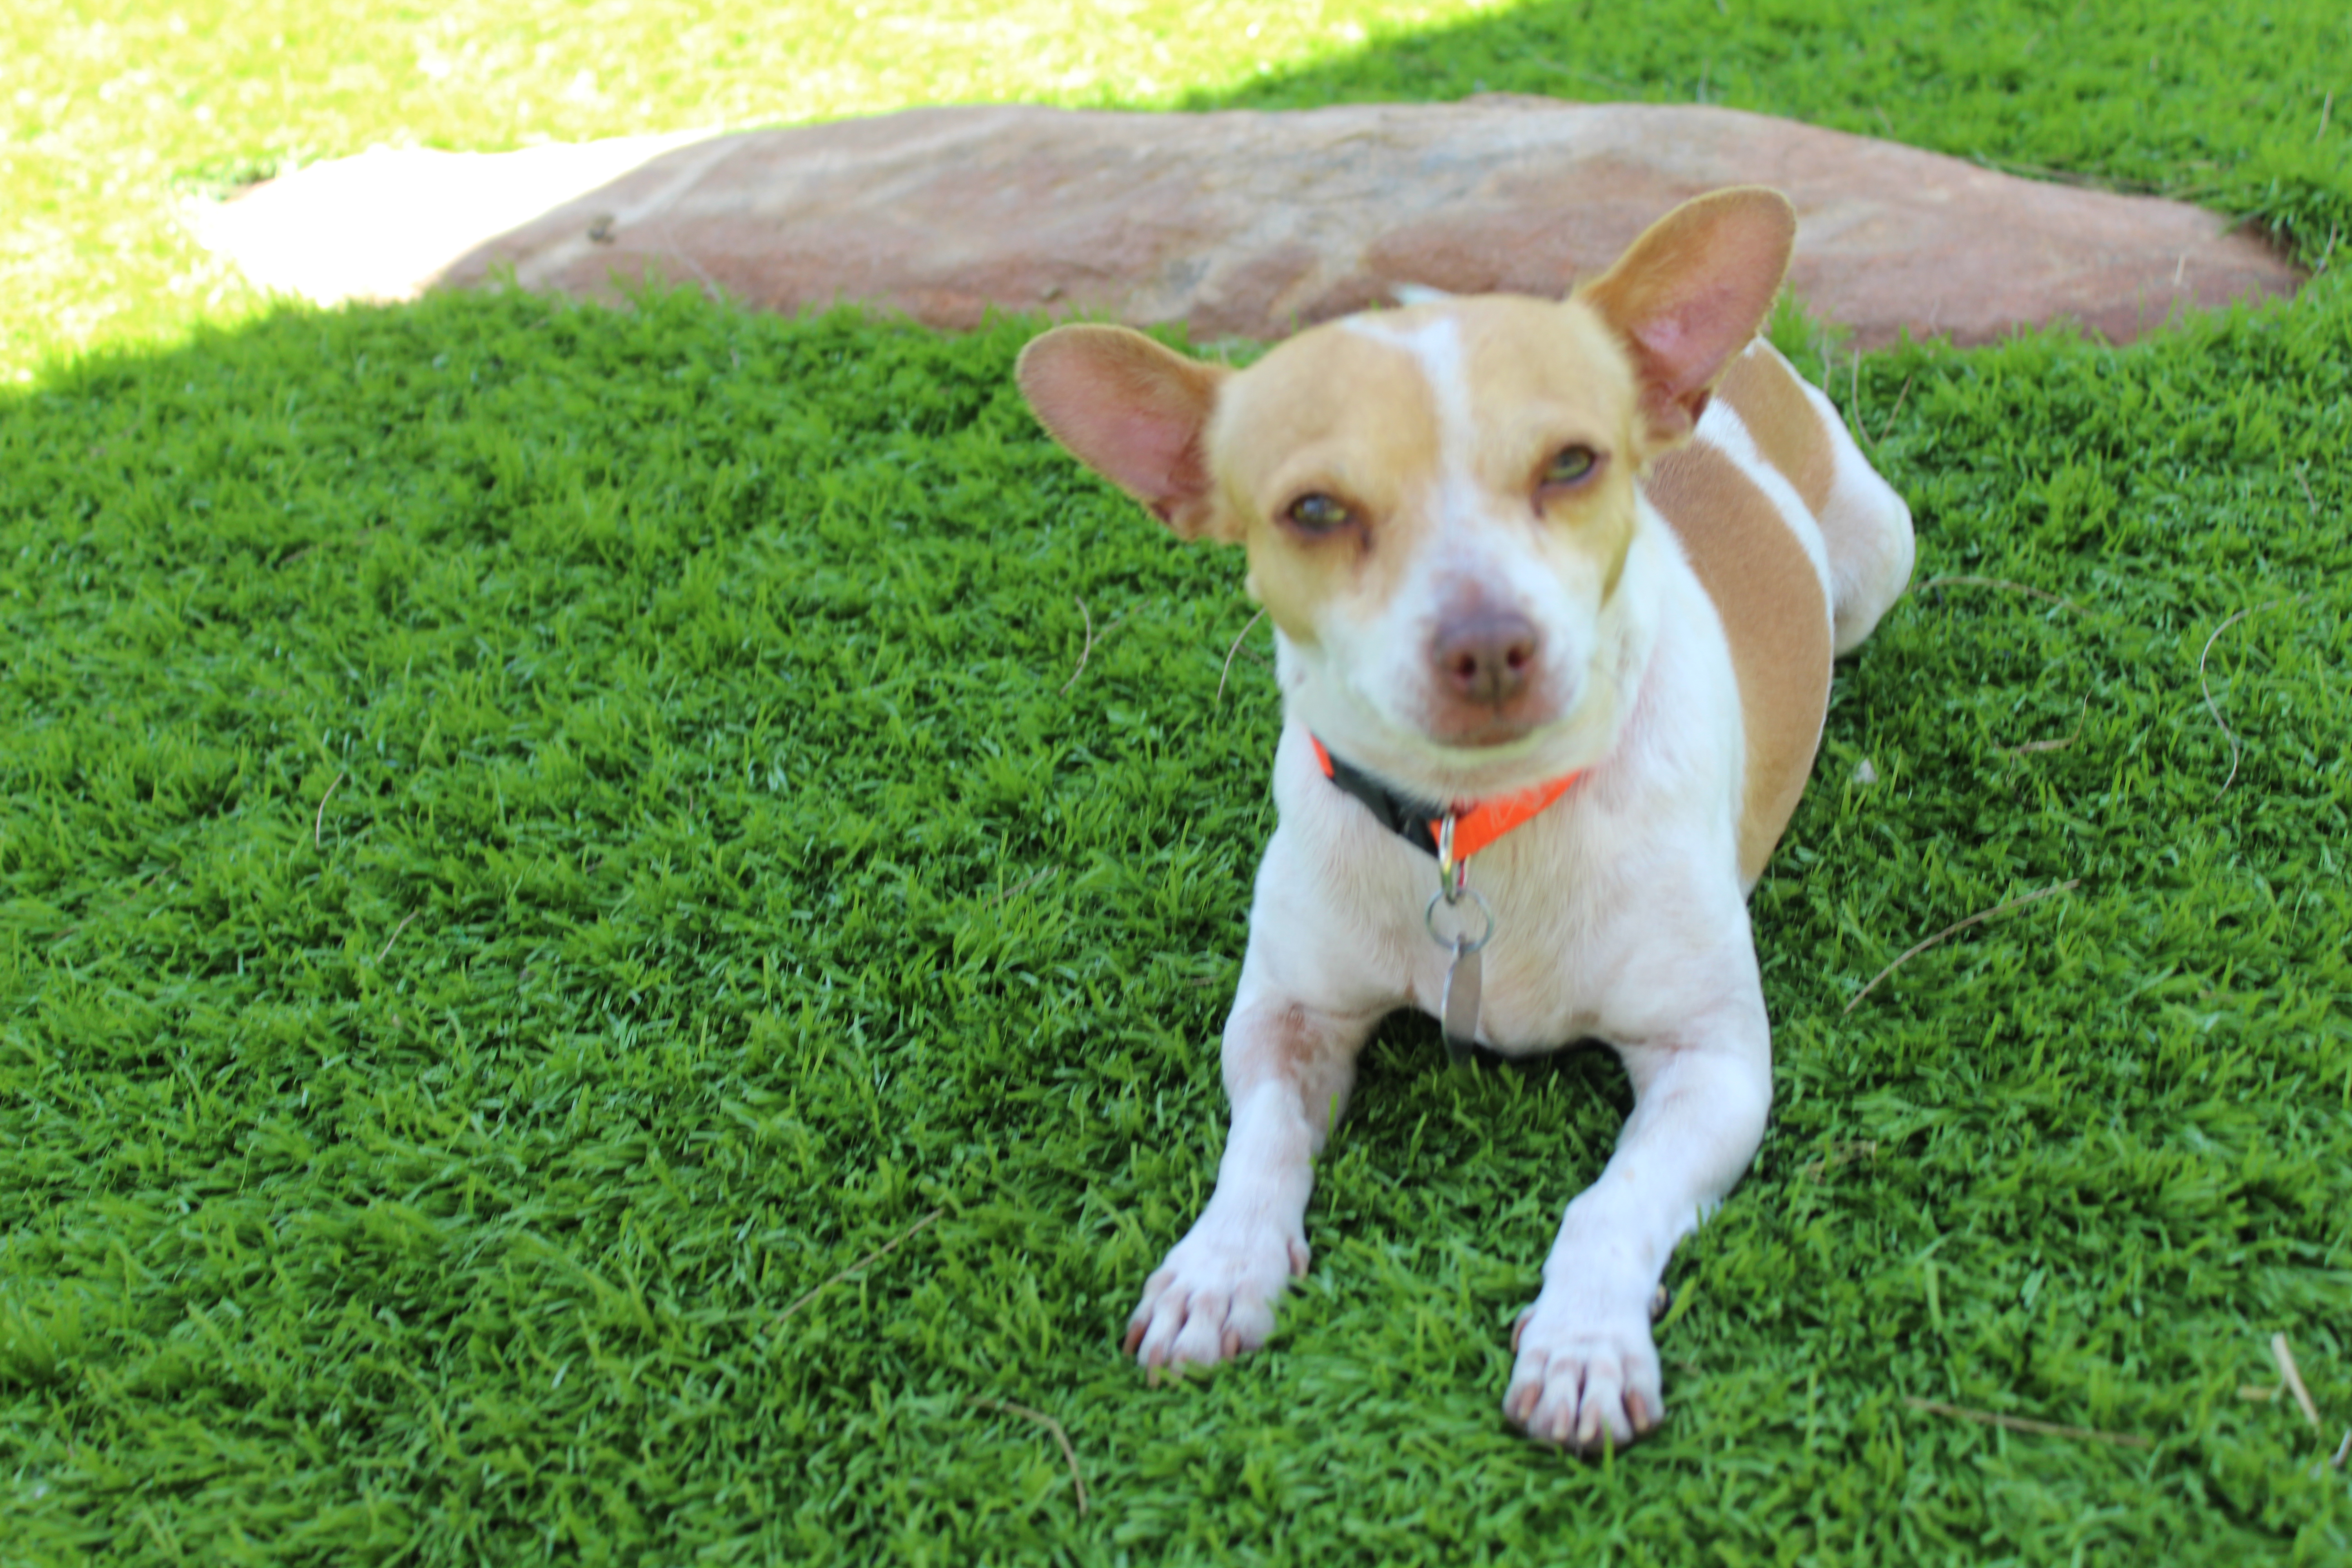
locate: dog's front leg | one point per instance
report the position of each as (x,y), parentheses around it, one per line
(1587,1371)
(1288,1067)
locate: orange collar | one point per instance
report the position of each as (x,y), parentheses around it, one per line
(1418,822)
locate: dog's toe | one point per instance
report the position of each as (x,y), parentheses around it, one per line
(1583,1380)
(1212,1330)
(1212,1300)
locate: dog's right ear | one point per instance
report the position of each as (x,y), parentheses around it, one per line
(1134,411)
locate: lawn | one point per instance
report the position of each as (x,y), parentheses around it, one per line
(612,924)
(119,111)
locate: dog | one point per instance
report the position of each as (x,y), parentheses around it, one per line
(1556,588)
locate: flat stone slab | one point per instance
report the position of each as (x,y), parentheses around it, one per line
(1251,224)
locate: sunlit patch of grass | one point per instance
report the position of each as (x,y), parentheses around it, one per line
(120,110)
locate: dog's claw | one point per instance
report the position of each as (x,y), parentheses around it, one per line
(1213,1299)
(1584,1378)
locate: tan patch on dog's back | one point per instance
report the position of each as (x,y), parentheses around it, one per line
(1764,391)
(1775,616)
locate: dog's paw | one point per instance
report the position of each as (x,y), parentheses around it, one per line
(1213,1298)
(1584,1378)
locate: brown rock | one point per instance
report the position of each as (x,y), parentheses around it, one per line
(1251,223)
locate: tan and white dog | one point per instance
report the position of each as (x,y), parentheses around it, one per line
(1556,588)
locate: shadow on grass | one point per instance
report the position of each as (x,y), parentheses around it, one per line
(532,837)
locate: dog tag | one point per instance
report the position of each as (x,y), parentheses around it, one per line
(1462,978)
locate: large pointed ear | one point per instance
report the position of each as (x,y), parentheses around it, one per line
(1691,293)
(1134,411)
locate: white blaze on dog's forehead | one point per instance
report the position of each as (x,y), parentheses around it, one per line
(1434,346)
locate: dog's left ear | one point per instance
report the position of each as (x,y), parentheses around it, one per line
(1134,411)
(1691,293)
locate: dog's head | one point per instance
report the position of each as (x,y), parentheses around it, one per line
(1439,501)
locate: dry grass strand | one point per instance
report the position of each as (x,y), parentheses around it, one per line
(1837,1154)
(1888,423)
(879,1253)
(1085,652)
(1853,396)
(1228,670)
(2294,1376)
(2057,745)
(2204,686)
(1954,930)
(1061,1436)
(318,821)
(395,935)
(1964,581)
(1015,891)
(2022,1423)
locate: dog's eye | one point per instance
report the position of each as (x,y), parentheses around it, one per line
(1571,464)
(1316,513)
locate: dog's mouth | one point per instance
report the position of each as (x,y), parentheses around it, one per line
(1439,742)
(1483,733)
(1458,724)
(1468,753)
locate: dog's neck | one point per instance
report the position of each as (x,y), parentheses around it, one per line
(1320,698)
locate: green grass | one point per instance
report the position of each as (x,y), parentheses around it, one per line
(115,114)
(532,838)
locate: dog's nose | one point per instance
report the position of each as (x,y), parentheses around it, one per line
(1486,657)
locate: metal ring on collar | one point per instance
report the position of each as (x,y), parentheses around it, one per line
(1429,919)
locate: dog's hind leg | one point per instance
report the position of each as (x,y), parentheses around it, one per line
(1867,528)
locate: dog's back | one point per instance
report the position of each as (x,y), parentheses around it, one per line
(1802,546)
